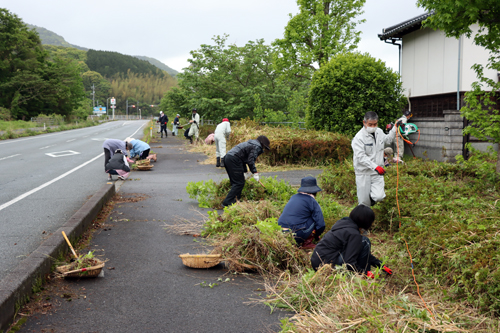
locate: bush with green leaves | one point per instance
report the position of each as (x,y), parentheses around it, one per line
(351,84)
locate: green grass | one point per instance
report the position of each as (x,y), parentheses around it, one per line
(15,124)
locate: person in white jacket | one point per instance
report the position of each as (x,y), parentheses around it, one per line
(195,126)
(368,159)
(221,133)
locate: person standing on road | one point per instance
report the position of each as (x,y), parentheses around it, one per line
(303,216)
(221,133)
(139,149)
(111,145)
(195,126)
(176,123)
(368,159)
(163,120)
(236,162)
(346,244)
(118,165)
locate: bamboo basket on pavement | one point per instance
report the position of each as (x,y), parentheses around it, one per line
(200,260)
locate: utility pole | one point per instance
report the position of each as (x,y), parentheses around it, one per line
(93,95)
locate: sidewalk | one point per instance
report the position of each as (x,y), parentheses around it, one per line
(145,287)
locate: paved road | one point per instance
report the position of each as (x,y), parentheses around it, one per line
(145,287)
(45,179)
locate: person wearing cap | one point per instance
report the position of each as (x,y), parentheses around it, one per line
(368,159)
(236,161)
(345,243)
(175,130)
(303,216)
(110,146)
(163,120)
(195,126)
(118,165)
(221,133)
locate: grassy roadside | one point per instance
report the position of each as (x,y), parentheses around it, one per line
(11,134)
(450,214)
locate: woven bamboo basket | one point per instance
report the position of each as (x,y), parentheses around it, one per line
(92,271)
(142,162)
(145,167)
(200,260)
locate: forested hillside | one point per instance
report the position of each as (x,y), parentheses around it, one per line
(51,38)
(159,64)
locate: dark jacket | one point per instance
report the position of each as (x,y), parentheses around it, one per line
(300,212)
(176,121)
(345,238)
(116,163)
(163,119)
(248,152)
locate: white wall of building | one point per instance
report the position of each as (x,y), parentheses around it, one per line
(429,63)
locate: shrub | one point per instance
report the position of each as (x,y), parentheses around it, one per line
(351,84)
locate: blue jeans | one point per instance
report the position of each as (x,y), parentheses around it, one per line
(302,234)
(364,255)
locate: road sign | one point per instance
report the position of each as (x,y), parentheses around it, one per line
(113,106)
(113,101)
(99,109)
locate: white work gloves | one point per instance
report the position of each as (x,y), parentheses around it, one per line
(256,177)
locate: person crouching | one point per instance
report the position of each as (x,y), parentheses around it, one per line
(118,165)
(302,215)
(345,244)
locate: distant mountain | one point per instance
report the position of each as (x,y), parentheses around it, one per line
(159,64)
(51,38)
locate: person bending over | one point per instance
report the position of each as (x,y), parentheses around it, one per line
(118,165)
(345,244)
(236,161)
(302,214)
(140,149)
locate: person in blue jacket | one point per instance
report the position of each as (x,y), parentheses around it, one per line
(302,214)
(139,149)
(346,244)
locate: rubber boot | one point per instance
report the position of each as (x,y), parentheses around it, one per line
(222,162)
(308,243)
(218,163)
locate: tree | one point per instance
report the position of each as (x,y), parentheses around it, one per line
(351,84)
(30,81)
(101,86)
(456,18)
(223,80)
(320,30)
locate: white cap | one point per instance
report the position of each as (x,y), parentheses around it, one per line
(161,111)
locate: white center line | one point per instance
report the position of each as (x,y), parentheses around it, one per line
(47,147)
(22,196)
(4,158)
(71,140)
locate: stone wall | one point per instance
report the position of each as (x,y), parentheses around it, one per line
(440,138)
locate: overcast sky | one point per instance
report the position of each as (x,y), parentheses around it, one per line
(167,30)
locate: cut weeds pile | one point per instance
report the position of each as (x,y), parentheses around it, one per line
(450,216)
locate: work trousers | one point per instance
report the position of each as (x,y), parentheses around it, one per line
(194,131)
(107,157)
(235,169)
(361,261)
(144,154)
(175,130)
(370,186)
(220,146)
(163,128)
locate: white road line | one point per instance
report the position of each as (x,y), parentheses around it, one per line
(4,158)
(47,147)
(22,196)
(71,140)
(62,153)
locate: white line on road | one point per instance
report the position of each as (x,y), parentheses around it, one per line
(71,140)
(47,147)
(4,158)
(62,153)
(22,196)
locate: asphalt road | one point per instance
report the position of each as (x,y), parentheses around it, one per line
(45,179)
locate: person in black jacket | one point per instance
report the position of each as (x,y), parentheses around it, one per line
(345,244)
(118,165)
(236,161)
(163,120)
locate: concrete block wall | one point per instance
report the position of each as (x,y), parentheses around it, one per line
(441,139)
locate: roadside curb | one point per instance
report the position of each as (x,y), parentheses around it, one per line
(18,285)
